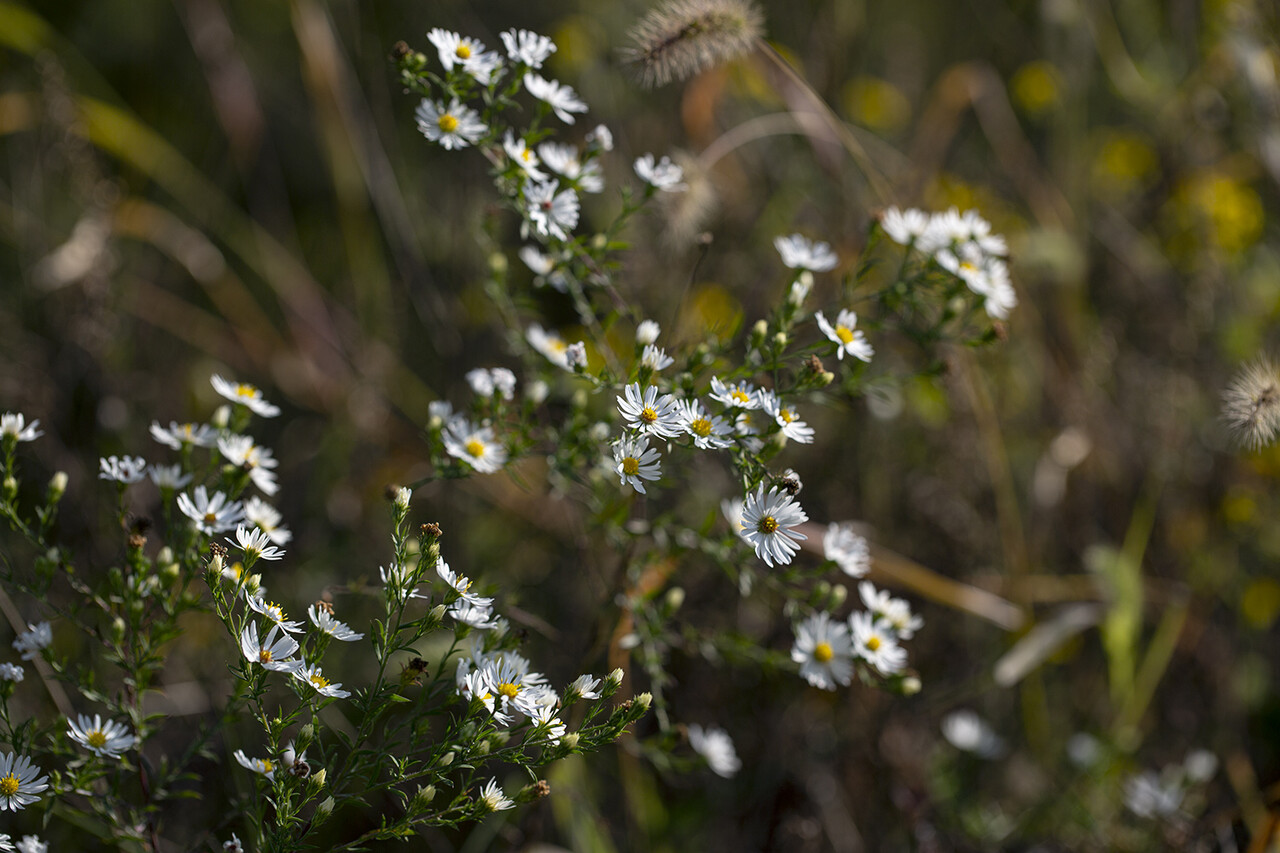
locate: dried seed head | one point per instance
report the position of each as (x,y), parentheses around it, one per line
(1251,404)
(682,37)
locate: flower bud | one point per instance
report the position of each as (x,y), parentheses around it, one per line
(675,598)
(498,264)
(643,701)
(758,332)
(599,241)
(57,486)
(169,573)
(402,498)
(570,741)
(221,417)
(911,685)
(536,392)
(447,758)
(780,340)
(825,378)
(422,799)
(118,629)
(323,810)
(839,593)
(316,783)
(10,488)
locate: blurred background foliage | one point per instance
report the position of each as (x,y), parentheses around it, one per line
(198,185)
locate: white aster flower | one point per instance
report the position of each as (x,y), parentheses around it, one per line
(846,549)
(553,214)
(547,724)
(824,652)
(522,155)
(551,345)
(601,136)
(454,126)
(904,226)
(179,435)
(122,469)
(801,254)
(312,676)
(31,844)
(13,425)
(265,766)
(739,395)
(965,730)
(255,544)
(662,175)
(847,339)
(636,462)
(562,99)
(461,584)
(575,356)
(647,332)
(239,450)
(655,358)
(787,418)
(750,423)
(169,476)
(547,269)
(874,642)
(515,691)
(439,413)
(267,519)
(12,672)
(325,623)
(480,381)
(649,413)
(715,745)
(245,395)
(453,48)
(709,431)
(211,514)
(504,382)
(896,612)
(273,652)
(5,842)
(108,739)
(475,446)
(768,522)
(478,616)
(492,798)
(582,687)
(484,67)
(527,48)
(20,781)
(32,641)
(275,613)
(563,159)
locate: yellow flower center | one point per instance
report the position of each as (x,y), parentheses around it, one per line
(630,466)
(844,334)
(274,612)
(318,680)
(648,415)
(557,345)
(873,642)
(508,689)
(9,786)
(740,396)
(822,652)
(97,740)
(246,391)
(968,267)
(210,518)
(475,447)
(787,415)
(463,52)
(447,123)
(264,656)
(267,766)
(526,155)
(700,427)
(768,524)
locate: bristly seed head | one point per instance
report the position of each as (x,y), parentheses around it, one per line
(1251,404)
(683,37)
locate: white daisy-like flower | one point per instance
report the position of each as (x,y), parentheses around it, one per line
(874,642)
(264,766)
(267,519)
(244,394)
(480,381)
(790,481)
(31,844)
(169,476)
(5,842)
(109,739)
(977,230)
(522,155)
(824,651)
(750,423)
(655,358)
(32,641)
(768,522)
(896,612)
(661,175)
(515,691)
(493,799)
(325,623)
(844,547)
(241,451)
(739,395)
(474,445)
(547,269)
(904,226)
(454,49)
(20,781)
(275,613)
(801,254)
(647,332)
(553,214)
(561,98)
(439,413)
(582,687)
(454,126)
(461,584)
(846,337)
(1001,298)
(12,672)
(478,616)
(715,745)
(551,345)
(504,382)
(563,159)
(484,67)
(211,514)
(13,426)
(709,431)
(575,356)
(635,461)
(527,48)
(800,288)
(965,730)
(650,413)
(787,418)
(601,136)
(122,469)
(179,435)
(255,544)
(547,724)
(312,676)
(272,653)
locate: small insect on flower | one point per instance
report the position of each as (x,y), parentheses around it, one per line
(683,37)
(846,338)
(454,126)
(824,651)
(109,739)
(1251,404)
(768,522)
(715,745)
(636,462)
(14,427)
(20,781)
(122,469)
(561,98)
(245,395)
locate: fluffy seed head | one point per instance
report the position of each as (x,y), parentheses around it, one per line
(683,37)
(1251,404)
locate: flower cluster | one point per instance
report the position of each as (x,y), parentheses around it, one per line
(827,649)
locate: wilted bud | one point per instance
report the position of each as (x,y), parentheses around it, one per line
(533,791)
(57,486)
